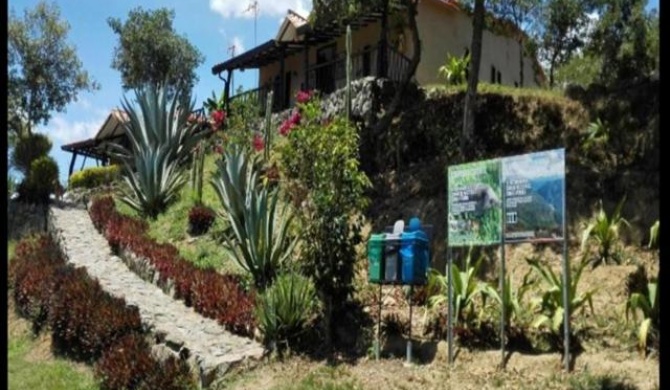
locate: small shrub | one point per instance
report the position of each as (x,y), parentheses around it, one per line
(102,208)
(653,235)
(200,219)
(171,374)
(94,177)
(285,308)
(40,182)
(125,364)
(455,69)
(85,319)
(29,148)
(32,275)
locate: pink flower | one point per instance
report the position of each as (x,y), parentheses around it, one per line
(218,117)
(285,128)
(259,143)
(303,96)
(218,149)
(295,118)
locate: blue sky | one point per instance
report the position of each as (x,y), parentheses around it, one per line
(211,25)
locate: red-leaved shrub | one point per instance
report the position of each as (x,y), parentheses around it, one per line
(216,296)
(32,275)
(85,319)
(200,219)
(128,364)
(101,210)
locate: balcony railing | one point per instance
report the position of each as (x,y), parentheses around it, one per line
(330,76)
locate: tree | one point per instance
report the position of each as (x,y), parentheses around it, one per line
(521,13)
(562,32)
(149,51)
(473,77)
(627,39)
(43,70)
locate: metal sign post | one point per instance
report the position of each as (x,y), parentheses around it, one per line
(566,288)
(502,278)
(450,298)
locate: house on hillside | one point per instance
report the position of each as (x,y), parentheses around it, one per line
(303,57)
(113,130)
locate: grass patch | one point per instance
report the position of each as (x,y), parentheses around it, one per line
(53,374)
(324,378)
(485,88)
(205,251)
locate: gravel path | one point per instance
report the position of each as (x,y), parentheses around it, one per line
(206,345)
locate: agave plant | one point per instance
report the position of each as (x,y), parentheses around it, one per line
(285,308)
(466,287)
(604,230)
(259,241)
(512,300)
(455,69)
(550,304)
(160,140)
(153,181)
(596,133)
(647,304)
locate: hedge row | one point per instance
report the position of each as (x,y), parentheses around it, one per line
(87,323)
(216,296)
(94,177)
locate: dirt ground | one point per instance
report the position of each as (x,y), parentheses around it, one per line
(610,359)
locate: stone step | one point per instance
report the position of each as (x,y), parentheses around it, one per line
(207,346)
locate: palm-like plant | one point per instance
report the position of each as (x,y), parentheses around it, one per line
(551,307)
(647,303)
(604,230)
(512,300)
(260,240)
(597,132)
(653,234)
(455,69)
(466,287)
(160,141)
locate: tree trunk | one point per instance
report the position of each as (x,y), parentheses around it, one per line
(385,121)
(473,79)
(521,62)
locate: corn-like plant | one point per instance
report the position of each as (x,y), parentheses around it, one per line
(516,308)
(550,304)
(454,69)
(197,173)
(647,303)
(260,241)
(604,230)
(160,139)
(268,127)
(596,133)
(466,287)
(653,235)
(285,308)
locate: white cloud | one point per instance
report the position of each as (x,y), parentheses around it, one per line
(239,8)
(239,46)
(62,131)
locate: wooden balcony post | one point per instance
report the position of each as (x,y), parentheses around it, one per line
(74,157)
(306,83)
(226,92)
(282,81)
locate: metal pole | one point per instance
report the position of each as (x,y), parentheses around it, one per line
(379,321)
(502,276)
(450,325)
(566,286)
(409,338)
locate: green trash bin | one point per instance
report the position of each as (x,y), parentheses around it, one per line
(376,258)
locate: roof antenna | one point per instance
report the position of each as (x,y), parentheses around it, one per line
(253,7)
(231,50)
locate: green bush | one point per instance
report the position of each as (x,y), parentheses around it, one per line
(41,181)
(94,177)
(29,148)
(604,231)
(646,302)
(285,308)
(321,172)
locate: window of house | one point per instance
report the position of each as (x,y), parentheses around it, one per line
(493,74)
(499,82)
